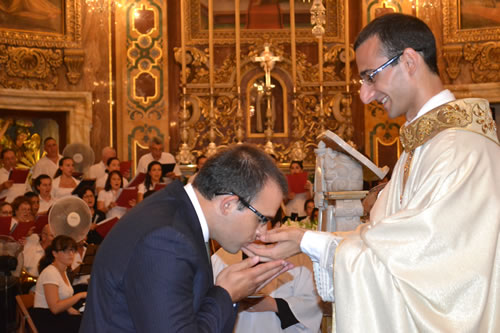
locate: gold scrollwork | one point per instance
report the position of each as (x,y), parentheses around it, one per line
(32,68)
(485,60)
(453,55)
(73,58)
(334,28)
(453,31)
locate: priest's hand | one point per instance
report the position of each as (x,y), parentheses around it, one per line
(285,243)
(244,278)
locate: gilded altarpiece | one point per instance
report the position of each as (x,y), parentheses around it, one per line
(226,110)
(141,76)
(471,46)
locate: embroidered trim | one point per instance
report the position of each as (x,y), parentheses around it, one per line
(406,173)
(472,114)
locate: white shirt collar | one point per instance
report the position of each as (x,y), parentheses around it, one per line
(441,98)
(199,212)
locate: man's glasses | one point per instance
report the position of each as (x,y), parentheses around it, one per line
(262,218)
(369,78)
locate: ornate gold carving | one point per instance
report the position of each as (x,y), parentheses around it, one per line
(29,67)
(73,59)
(334,28)
(472,114)
(230,110)
(453,33)
(452,55)
(70,38)
(485,59)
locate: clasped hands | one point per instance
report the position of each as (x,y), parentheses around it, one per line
(246,277)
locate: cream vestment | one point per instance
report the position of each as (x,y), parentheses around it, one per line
(429,260)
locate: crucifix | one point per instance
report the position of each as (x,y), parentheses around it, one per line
(267,60)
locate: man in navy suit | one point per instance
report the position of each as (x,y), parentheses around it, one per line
(152,272)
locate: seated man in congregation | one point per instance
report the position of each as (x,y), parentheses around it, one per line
(8,189)
(49,162)
(99,169)
(157,154)
(289,303)
(34,250)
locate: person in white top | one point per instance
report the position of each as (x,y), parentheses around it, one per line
(99,169)
(43,184)
(112,165)
(427,260)
(22,214)
(153,177)
(53,307)
(289,303)
(157,154)
(8,189)
(106,200)
(49,163)
(64,183)
(34,249)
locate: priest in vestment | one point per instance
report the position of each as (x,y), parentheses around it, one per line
(429,258)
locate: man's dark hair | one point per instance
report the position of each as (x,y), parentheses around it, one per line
(30,195)
(2,154)
(242,169)
(111,159)
(38,180)
(156,140)
(299,163)
(47,139)
(397,32)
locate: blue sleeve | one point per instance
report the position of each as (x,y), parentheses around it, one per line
(168,291)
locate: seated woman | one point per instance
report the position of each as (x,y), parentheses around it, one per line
(295,201)
(106,201)
(43,185)
(64,183)
(53,311)
(87,195)
(22,213)
(112,164)
(6,209)
(153,177)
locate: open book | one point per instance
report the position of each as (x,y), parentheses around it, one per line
(127,194)
(19,176)
(104,227)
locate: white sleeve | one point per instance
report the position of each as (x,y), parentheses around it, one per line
(320,247)
(141,167)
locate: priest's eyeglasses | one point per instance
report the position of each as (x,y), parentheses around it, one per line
(262,218)
(369,78)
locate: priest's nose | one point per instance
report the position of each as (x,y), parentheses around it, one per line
(367,93)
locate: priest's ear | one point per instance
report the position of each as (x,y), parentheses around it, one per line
(411,60)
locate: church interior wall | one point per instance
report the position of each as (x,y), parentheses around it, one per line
(134,73)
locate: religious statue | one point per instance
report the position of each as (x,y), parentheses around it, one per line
(25,145)
(267,60)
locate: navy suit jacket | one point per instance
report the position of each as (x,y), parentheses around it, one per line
(152,273)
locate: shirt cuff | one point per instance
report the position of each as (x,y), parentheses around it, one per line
(313,244)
